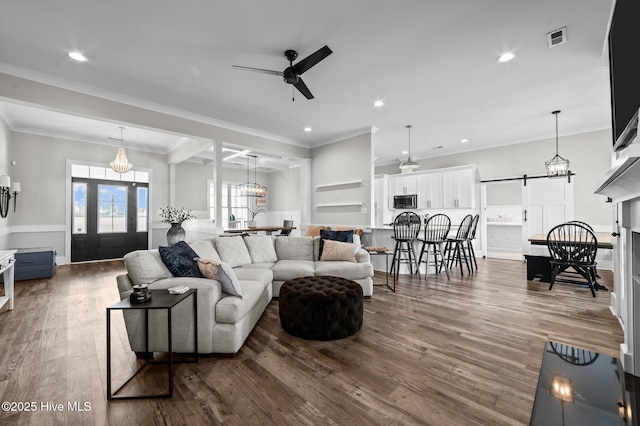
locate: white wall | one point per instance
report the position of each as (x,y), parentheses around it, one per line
(5,137)
(347,160)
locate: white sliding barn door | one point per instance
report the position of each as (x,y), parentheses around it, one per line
(546,202)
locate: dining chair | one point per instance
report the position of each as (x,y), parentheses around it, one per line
(436,230)
(454,249)
(285,232)
(575,246)
(406,227)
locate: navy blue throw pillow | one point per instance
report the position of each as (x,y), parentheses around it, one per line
(179,259)
(342,236)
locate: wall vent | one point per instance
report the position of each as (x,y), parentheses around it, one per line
(557,37)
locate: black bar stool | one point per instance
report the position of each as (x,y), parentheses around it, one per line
(406,227)
(435,234)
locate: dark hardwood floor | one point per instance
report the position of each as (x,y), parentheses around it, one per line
(463,351)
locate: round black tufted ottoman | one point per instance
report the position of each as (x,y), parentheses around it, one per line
(321,308)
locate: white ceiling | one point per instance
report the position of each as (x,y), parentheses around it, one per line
(433,63)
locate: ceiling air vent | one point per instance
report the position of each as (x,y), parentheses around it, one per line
(557,37)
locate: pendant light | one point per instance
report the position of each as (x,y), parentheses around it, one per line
(557,166)
(252,189)
(409,165)
(121,164)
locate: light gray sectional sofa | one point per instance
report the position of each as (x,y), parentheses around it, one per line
(261,263)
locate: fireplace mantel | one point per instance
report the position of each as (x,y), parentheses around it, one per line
(622,181)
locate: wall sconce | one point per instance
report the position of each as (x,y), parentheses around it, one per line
(15,190)
(6,189)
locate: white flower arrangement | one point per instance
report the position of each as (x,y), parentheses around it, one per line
(174,215)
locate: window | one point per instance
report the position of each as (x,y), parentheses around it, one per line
(96,172)
(142,211)
(232,203)
(112,208)
(79,217)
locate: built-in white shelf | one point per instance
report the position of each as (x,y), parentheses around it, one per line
(339,205)
(503,224)
(337,185)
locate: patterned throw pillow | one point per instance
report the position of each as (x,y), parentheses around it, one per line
(180,260)
(233,251)
(342,236)
(337,251)
(223,273)
(261,249)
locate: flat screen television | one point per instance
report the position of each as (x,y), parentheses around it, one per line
(624,71)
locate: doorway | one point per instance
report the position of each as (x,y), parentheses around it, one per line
(546,202)
(517,208)
(109,218)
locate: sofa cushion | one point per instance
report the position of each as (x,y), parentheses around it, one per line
(233,251)
(248,273)
(261,248)
(205,249)
(289,269)
(294,248)
(222,272)
(145,267)
(347,270)
(230,310)
(314,230)
(180,260)
(337,251)
(342,236)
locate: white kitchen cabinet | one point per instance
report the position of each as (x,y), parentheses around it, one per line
(382,212)
(458,189)
(430,191)
(449,188)
(402,185)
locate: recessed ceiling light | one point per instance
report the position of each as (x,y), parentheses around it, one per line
(405,152)
(77,56)
(307,129)
(506,57)
(378,103)
(464,140)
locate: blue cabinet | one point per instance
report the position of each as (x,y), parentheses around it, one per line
(34,263)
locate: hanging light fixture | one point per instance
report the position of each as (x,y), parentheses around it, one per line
(252,189)
(557,166)
(121,164)
(409,164)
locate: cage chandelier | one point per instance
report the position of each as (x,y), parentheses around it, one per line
(252,189)
(557,166)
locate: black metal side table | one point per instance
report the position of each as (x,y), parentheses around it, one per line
(386,253)
(160,299)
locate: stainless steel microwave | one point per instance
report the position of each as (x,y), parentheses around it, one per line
(409,201)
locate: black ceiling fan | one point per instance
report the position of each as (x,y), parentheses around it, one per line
(292,73)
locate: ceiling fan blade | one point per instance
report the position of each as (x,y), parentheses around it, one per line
(311,60)
(278,73)
(302,88)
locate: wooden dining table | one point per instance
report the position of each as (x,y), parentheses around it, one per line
(267,229)
(604,240)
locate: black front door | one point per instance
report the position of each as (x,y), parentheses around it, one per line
(109,219)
